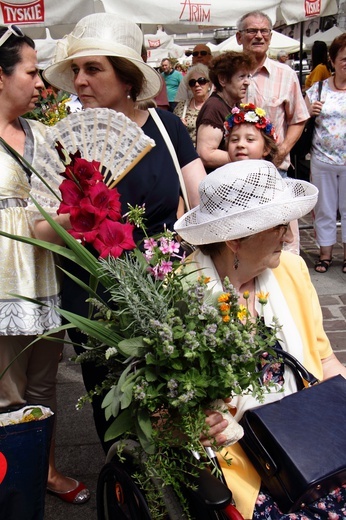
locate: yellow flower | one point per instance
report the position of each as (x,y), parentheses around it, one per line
(246,295)
(224,297)
(260,112)
(204,279)
(242,313)
(262,297)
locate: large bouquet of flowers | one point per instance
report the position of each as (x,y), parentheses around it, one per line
(172,346)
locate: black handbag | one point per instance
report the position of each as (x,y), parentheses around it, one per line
(304,143)
(298,444)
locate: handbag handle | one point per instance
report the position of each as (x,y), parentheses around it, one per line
(296,366)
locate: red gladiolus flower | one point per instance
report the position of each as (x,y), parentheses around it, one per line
(85,224)
(103,198)
(85,173)
(71,196)
(113,238)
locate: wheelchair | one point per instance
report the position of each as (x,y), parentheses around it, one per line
(118,497)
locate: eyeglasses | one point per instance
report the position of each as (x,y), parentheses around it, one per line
(200,53)
(200,81)
(11,30)
(253,32)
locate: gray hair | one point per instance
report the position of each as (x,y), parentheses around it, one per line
(199,68)
(281,53)
(256,14)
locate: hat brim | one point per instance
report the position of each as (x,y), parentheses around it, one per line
(60,74)
(199,228)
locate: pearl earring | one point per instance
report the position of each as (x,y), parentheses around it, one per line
(128,96)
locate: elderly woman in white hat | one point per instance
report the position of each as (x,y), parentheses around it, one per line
(239,227)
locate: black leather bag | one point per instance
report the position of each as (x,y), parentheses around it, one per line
(298,444)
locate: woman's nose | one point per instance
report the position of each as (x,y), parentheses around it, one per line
(79,78)
(288,236)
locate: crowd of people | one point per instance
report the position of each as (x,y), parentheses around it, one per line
(228,126)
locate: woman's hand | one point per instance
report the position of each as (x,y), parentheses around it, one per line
(315,108)
(217,425)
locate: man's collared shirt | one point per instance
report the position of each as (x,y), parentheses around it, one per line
(275,88)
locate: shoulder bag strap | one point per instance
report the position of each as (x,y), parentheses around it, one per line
(296,366)
(172,151)
(320,85)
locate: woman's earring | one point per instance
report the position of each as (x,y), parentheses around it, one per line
(128,95)
(235,261)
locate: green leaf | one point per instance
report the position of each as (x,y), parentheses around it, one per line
(122,424)
(108,398)
(133,347)
(144,431)
(126,398)
(150,375)
(95,329)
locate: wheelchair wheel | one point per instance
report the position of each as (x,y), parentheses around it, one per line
(117,496)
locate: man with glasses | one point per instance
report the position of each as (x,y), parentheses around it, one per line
(273,85)
(200,54)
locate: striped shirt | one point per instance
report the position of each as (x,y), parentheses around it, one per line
(275,88)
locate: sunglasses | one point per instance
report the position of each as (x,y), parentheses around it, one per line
(11,30)
(200,81)
(200,53)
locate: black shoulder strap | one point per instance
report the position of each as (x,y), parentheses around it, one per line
(320,85)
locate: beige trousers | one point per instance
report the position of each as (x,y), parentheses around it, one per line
(32,376)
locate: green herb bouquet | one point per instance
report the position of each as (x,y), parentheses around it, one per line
(172,347)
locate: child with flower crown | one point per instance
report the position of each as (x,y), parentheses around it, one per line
(249,134)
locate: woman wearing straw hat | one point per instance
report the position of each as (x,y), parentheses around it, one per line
(240,227)
(101,62)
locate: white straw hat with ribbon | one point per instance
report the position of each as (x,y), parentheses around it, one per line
(244,198)
(101,34)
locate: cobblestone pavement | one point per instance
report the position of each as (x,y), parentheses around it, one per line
(330,286)
(78,451)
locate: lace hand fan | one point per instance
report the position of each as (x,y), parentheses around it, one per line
(99,134)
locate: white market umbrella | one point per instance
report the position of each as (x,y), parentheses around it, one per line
(61,16)
(278,42)
(326,36)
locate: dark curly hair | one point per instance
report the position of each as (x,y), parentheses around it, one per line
(227,64)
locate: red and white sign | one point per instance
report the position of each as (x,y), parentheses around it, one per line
(31,12)
(312,8)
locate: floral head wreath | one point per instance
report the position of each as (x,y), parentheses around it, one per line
(249,113)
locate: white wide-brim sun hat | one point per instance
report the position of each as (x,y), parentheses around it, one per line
(244,198)
(101,34)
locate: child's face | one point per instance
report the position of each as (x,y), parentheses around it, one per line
(246,142)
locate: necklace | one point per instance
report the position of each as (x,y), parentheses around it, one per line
(194,105)
(337,88)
